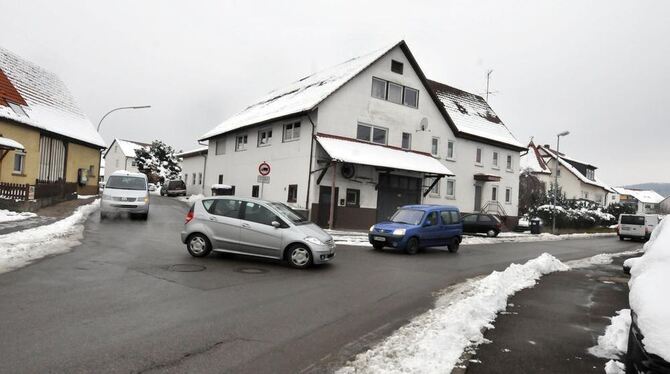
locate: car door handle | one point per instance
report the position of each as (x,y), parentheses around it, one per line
(246,225)
(212,219)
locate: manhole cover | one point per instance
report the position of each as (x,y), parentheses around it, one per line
(186,268)
(251,270)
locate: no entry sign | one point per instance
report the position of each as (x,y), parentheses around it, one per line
(264,168)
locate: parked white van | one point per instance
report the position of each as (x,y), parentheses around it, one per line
(636,226)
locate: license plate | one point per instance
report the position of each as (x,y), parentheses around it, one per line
(379,238)
(625,228)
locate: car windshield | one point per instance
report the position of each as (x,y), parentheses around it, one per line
(632,220)
(293,216)
(408,216)
(126,183)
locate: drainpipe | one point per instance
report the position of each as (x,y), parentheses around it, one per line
(309,174)
(333,200)
(204,168)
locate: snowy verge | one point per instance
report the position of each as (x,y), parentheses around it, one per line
(615,341)
(20,248)
(10,216)
(436,339)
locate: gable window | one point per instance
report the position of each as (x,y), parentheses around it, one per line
(509,162)
(292,193)
(394,93)
(590,174)
(396,66)
(494,193)
(450,150)
(220,178)
(451,188)
(220,146)
(291,131)
(508,195)
(264,137)
(478,157)
(371,133)
(495,159)
(19,162)
(255,190)
(240,143)
(434,146)
(411,97)
(406,140)
(353,198)
(379,88)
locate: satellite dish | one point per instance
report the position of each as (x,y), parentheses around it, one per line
(423,125)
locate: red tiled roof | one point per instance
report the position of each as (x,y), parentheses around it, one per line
(8,92)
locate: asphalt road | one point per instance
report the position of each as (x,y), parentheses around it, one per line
(117,304)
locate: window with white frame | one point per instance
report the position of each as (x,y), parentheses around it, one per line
(240,143)
(495,159)
(434,146)
(509,162)
(395,93)
(494,193)
(370,133)
(451,151)
(220,146)
(406,140)
(19,162)
(478,156)
(264,137)
(379,88)
(411,97)
(436,189)
(590,174)
(291,131)
(451,188)
(508,195)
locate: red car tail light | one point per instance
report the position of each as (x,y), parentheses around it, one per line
(189,216)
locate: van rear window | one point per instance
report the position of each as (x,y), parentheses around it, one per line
(632,220)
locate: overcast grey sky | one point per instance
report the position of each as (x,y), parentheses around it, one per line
(596,68)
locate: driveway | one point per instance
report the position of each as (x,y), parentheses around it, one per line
(130,299)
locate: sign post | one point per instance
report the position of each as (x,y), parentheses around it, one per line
(264,177)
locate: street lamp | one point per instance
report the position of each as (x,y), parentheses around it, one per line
(121,108)
(558,145)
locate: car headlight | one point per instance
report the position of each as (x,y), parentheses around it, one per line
(313,240)
(372,228)
(106,197)
(399,232)
(146,199)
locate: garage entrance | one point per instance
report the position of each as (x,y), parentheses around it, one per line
(394,191)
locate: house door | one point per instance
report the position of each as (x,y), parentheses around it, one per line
(478,198)
(324,205)
(394,191)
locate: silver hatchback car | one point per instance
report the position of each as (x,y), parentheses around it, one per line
(255,227)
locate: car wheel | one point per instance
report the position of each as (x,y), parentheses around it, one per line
(412,246)
(453,246)
(492,233)
(300,257)
(102,215)
(378,246)
(198,245)
(620,237)
(144,216)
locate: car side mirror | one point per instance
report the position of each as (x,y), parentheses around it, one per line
(276,224)
(426,224)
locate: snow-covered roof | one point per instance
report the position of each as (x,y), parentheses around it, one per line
(48,103)
(472,115)
(128,147)
(7,143)
(644,196)
(533,161)
(192,152)
(566,165)
(300,96)
(358,152)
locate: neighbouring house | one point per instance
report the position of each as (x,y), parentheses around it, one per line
(193,164)
(49,149)
(356,141)
(665,206)
(645,201)
(577,179)
(121,156)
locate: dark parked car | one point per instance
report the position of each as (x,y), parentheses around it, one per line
(417,226)
(482,223)
(175,187)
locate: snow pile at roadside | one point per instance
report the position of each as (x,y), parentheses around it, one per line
(83,197)
(600,259)
(22,247)
(648,296)
(191,198)
(615,341)
(435,340)
(10,216)
(615,367)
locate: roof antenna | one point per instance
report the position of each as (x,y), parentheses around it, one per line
(488,78)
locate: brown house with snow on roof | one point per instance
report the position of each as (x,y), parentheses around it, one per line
(49,149)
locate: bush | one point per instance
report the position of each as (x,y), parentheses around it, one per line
(574,218)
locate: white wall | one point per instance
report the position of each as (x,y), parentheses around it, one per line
(116,160)
(192,170)
(571,185)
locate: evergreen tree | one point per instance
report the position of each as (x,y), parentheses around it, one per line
(158,162)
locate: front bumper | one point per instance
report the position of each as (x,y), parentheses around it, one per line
(111,206)
(322,253)
(387,240)
(639,360)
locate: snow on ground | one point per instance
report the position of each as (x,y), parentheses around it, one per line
(358,238)
(23,247)
(615,341)
(10,216)
(600,259)
(435,340)
(82,197)
(191,198)
(615,367)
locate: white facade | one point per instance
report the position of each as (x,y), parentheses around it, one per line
(665,206)
(121,156)
(298,162)
(193,170)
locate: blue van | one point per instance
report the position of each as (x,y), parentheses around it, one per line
(418,226)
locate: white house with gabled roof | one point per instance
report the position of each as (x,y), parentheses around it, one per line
(379,133)
(121,156)
(193,164)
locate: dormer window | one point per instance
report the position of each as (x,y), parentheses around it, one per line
(590,174)
(396,66)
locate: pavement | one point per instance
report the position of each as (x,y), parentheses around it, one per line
(131,299)
(45,216)
(548,328)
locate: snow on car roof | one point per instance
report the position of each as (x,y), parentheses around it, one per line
(48,103)
(363,153)
(645,196)
(472,114)
(300,96)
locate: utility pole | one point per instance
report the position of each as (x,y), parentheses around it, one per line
(558,155)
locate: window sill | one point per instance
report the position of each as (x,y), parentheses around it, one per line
(240,150)
(18,174)
(479,165)
(510,170)
(450,159)
(450,197)
(263,145)
(495,168)
(290,140)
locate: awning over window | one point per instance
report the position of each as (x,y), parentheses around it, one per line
(486,177)
(356,152)
(10,144)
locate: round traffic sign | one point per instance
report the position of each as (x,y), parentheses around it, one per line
(264,168)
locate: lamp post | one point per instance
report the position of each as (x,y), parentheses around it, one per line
(558,145)
(120,108)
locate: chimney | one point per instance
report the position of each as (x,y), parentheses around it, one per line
(547,146)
